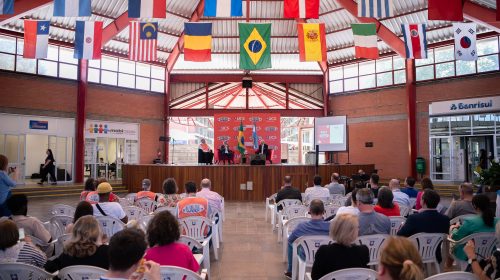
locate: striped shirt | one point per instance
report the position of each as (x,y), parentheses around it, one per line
(24,252)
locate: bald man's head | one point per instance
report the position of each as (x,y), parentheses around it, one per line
(287,180)
(394,184)
(205,183)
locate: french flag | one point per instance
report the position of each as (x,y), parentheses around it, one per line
(36,38)
(72,8)
(415,40)
(147,9)
(6,7)
(223,8)
(88,39)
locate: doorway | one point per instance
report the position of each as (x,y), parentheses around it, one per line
(104,157)
(478,153)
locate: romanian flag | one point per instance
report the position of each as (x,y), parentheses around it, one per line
(241,140)
(312,41)
(197,41)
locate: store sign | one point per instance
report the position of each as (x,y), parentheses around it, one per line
(111,130)
(465,106)
(41,125)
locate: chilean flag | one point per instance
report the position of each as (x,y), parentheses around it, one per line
(36,38)
(88,40)
(72,8)
(415,40)
(147,9)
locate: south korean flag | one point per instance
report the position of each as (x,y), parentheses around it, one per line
(465,41)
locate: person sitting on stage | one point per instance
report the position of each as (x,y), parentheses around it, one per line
(191,205)
(335,187)
(227,153)
(264,149)
(107,208)
(317,191)
(205,153)
(170,190)
(18,206)
(147,193)
(214,199)
(370,222)
(287,191)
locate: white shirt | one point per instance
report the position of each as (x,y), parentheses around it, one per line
(401,198)
(348,210)
(316,192)
(112,209)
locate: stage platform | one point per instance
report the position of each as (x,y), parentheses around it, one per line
(227,179)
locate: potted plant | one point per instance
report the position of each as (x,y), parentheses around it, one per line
(490,177)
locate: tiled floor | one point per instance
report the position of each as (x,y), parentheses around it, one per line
(249,249)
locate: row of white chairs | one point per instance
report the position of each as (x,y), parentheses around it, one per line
(369,274)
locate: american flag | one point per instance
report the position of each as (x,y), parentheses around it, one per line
(143,41)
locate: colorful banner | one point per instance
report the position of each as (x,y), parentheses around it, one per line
(268,127)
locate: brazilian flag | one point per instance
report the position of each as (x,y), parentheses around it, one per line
(241,140)
(255,45)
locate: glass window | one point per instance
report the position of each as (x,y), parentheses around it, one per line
(399,63)
(384,79)
(351,84)
(7,61)
(483,124)
(93,75)
(158,72)
(367,68)
(350,71)
(440,126)
(68,71)
(487,46)
(337,86)
(143,69)
(142,83)
(7,44)
(445,70)
(20,46)
(48,68)
(125,80)
(336,73)
(487,63)
(109,78)
(53,53)
(25,65)
(95,63)
(384,64)
(109,63)
(425,73)
(400,77)
(66,55)
(127,66)
(466,67)
(445,54)
(427,61)
(460,125)
(366,81)
(158,86)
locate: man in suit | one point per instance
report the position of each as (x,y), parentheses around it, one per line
(264,149)
(227,154)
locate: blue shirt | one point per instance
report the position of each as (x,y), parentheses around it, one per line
(411,192)
(312,227)
(6,184)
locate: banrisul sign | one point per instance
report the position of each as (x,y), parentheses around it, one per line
(465,106)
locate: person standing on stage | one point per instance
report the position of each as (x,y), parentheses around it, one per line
(264,149)
(48,168)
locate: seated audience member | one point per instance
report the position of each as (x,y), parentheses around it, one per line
(316,191)
(484,269)
(400,260)
(192,205)
(93,196)
(315,226)
(14,250)
(385,204)
(106,208)
(214,199)
(170,190)
(147,193)
(130,243)
(426,183)
(6,184)
(84,248)
(83,208)
(400,197)
(463,206)
(374,179)
(370,222)
(484,221)
(335,187)
(287,191)
(409,187)
(344,230)
(18,205)
(353,208)
(90,185)
(163,233)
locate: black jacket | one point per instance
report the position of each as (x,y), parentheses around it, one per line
(333,257)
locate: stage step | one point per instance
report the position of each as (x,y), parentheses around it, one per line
(60,190)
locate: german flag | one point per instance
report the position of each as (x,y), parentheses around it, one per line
(197,42)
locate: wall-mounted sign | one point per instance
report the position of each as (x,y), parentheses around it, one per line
(41,125)
(465,106)
(105,129)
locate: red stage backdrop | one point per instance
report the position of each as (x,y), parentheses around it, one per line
(226,127)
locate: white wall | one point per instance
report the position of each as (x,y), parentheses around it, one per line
(36,146)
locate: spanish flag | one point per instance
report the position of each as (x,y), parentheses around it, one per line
(312,41)
(197,41)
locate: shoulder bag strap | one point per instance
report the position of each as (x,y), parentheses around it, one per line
(100,209)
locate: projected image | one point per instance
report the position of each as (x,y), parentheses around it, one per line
(330,133)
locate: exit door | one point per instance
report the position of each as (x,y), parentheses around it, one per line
(478,152)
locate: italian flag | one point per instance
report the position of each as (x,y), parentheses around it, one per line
(365,40)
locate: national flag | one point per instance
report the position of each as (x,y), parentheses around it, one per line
(241,140)
(197,41)
(465,41)
(6,7)
(375,9)
(143,41)
(88,39)
(301,9)
(255,137)
(312,41)
(223,8)
(498,10)
(451,10)
(255,45)
(415,40)
(365,40)
(147,9)
(72,8)
(36,38)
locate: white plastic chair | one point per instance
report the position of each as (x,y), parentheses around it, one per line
(339,201)
(131,197)
(200,247)
(460,218)
(61,223)
(62,209)
(288,213)
(59,244)
(47,248)
(288,228)
(216,218)
(351,274)
(198,228)
(308,246)
(455,275)
(179,273)
(134,212)
(282,204)
(81,272)
(270,205)
(144,221)
(413,202)
(125,202)
(146,204)
(110,225)
(484,242)
(397,223)
(172,210)
(374,243)
(22,271)
(428,244)
(325,199)
(330,210)
(404,210)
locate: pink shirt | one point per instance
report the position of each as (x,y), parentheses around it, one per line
(418,205)
(214,199)
(176,254)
